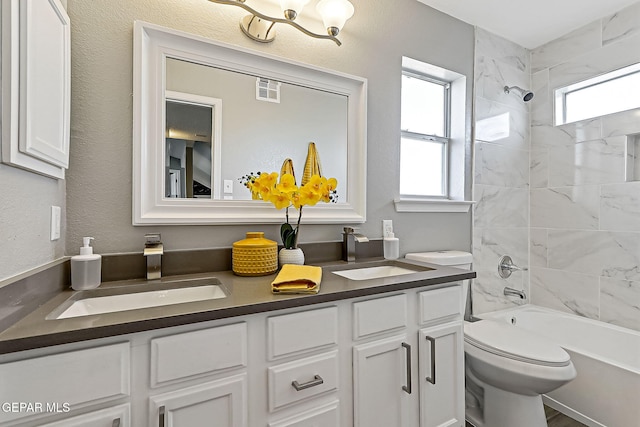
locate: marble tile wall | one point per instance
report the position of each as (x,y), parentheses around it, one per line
(584,215)
(501,170)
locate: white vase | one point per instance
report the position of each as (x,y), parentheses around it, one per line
(291,256)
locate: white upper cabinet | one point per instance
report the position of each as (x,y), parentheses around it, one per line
(36,85)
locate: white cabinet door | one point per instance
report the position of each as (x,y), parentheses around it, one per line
(382,383)
(441,375)
(36,62)
(222,403)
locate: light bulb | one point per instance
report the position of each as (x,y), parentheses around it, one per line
(334,14)
(292,8)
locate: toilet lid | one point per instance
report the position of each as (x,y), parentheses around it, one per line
(509,341)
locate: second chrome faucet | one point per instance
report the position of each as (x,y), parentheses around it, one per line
(349,240)
(153,250)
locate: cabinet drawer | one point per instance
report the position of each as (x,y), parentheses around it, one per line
(311,376)
(297,332)
(325,416)
(440,303)
(201,352)
(117,416)
(379,315)
(66,380)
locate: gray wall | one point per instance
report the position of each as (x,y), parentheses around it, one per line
(374,41)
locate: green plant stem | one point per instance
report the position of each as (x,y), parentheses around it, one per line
(295,241)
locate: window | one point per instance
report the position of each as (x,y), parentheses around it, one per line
(606,94)
(425,133)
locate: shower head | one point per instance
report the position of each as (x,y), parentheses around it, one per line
(525,95)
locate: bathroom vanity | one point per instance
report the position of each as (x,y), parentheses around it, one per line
(385,351)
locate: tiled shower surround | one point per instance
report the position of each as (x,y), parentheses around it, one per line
(501,184)
(578,226)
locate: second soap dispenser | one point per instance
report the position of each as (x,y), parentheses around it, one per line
(86,268)
(390,243)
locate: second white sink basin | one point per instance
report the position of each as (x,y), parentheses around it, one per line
(138,300)
(368,273)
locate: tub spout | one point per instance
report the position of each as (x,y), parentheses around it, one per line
(514,292)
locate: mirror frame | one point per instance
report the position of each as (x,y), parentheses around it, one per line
(153,44)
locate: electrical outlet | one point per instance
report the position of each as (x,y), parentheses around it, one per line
(55,222)
(387,227)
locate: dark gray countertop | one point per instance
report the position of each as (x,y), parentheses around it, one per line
(246,295)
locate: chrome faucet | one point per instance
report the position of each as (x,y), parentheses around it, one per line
(153,251)
(514,292)
(349,240)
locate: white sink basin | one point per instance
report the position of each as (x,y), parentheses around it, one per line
(138,300)
(374,272)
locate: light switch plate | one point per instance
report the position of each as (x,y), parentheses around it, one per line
(55,222)
(228,186)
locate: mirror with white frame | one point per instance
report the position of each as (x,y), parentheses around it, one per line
(187,171)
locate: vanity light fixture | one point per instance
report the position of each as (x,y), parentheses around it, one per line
(260,27)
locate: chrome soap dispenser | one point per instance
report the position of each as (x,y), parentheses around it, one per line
(86,267)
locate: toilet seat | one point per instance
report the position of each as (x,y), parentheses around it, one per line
(504,340)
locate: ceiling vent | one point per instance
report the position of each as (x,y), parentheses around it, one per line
(267,90)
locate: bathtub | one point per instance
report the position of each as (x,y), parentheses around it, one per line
(606,392)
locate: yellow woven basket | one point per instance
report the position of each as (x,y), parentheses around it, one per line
(255,255)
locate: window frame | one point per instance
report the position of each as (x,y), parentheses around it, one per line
(560,94)
(444,140)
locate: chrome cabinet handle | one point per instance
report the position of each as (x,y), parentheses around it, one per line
(116,423)
(432,378)
(161,416)
(407,387)
(317,380)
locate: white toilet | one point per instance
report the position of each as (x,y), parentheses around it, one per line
(507,369)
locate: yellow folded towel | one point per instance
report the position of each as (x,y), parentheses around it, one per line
(297,279)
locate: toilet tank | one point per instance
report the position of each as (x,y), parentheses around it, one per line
(459,259)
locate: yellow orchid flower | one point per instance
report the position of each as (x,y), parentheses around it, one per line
(294,198)
(287,184)
(268,180)
(279,199)
(309,195)
(331,184)
(316,183)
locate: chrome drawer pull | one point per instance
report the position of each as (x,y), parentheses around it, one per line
(432,378)
(116,423)
(407,387)
(317,380)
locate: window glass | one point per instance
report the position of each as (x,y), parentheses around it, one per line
(423,106)
(607,94)
(422,167)
(424,136)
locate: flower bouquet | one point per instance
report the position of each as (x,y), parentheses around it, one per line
(282,191)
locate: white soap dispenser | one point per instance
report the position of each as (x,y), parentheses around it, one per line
(86,267)
(390,243)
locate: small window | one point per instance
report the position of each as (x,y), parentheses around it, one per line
(606,94)
(425,132)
